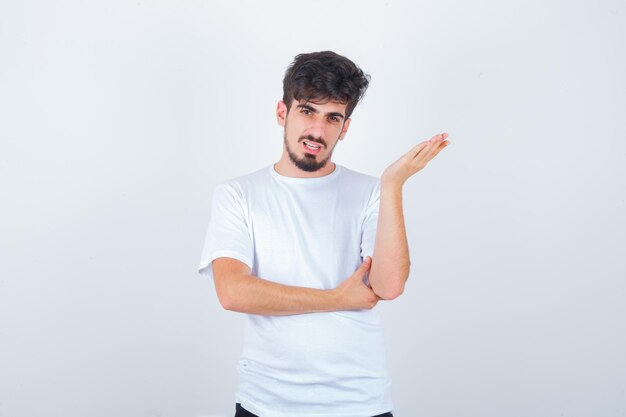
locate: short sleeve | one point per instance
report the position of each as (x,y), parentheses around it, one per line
(228,233)
(368,230)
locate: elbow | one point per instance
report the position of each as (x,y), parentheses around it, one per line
(227,302)
(230,302)
(224,295)
(392,286)
(391,292)
(390,289)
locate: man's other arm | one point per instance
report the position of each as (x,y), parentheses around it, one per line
(239,290)
(390,260)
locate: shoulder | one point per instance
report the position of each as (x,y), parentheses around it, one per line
(241,185)
(359,180)
(356,175)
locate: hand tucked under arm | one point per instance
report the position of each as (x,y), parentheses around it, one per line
(240,291)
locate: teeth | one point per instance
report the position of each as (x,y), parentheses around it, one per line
(312,146)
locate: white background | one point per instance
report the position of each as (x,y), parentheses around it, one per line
(117,119)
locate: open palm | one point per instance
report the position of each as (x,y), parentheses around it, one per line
(415,159)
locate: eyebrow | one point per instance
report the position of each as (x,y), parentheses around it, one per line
(314,110)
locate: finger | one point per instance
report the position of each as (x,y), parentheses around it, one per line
(367,262)
(418,148)
(443,145)
(435,153)
(422,161)
(435,148)
(426,146)
(438,137)
(423,155)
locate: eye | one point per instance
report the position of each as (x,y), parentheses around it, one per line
(334,118)
(305,111)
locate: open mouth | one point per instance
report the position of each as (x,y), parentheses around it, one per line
(311,147)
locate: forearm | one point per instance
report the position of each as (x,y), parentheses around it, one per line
(390,261)
(254,295)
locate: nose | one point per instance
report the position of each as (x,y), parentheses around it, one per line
(316,129)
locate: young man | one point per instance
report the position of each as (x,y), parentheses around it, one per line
(306,248)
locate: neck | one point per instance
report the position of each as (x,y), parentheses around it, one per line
(287,168)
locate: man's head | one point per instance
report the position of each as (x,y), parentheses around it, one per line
(320,92)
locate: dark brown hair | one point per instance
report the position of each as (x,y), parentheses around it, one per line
(324,76)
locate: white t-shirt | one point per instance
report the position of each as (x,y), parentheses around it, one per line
(310,232)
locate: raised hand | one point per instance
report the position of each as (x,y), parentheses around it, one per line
(414,160)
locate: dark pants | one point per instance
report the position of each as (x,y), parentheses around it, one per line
(242,412)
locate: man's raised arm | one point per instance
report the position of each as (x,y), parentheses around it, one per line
(390,259)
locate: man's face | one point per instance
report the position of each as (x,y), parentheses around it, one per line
(312,131)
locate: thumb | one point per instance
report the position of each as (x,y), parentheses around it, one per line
(367,263)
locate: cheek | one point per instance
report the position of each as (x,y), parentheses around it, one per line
(289,130)
(333,132)
(294,128)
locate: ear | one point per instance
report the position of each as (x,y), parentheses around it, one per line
(281,113)
(344,129)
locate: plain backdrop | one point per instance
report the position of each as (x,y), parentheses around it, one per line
(117,120)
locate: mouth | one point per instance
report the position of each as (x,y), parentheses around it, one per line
(311,147)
